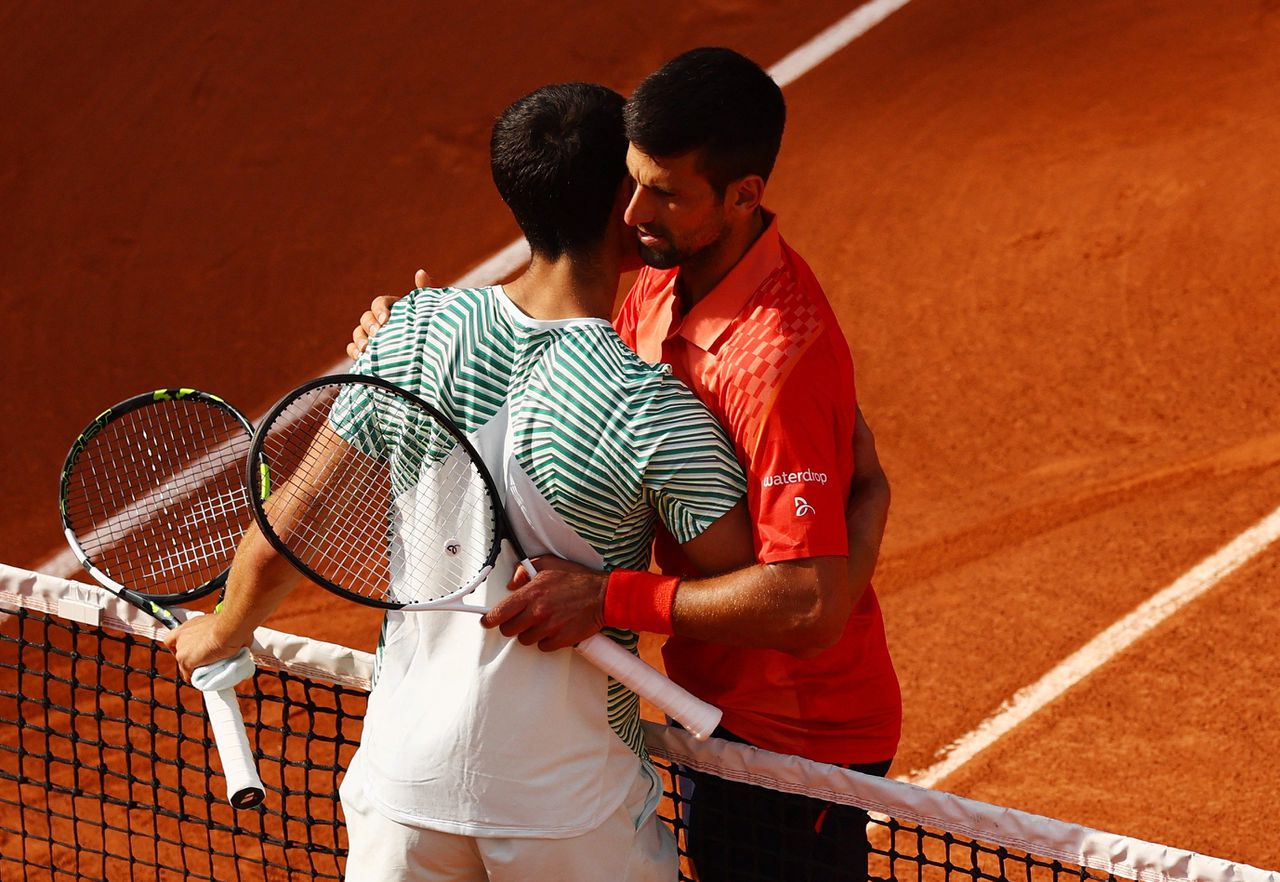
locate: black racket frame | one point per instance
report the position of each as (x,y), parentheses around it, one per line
(258,466)
(145,399)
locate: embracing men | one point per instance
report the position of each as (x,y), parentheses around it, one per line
(792,647)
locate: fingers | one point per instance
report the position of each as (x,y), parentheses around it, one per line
(526,622)
(522,576)
(195,643)
(359,340)
(422,279)
(503,613)
(378,313)
(550,619)
(376,316)
(548,562)
(368,326)
(170,640)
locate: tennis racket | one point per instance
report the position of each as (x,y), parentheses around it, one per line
(379,497)
(153,504)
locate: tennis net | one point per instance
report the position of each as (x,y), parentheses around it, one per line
(106,771)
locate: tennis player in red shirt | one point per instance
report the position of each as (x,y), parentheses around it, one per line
(793,648)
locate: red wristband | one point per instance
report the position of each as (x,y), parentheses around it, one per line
(637,601)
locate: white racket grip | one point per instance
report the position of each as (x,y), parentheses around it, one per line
(244,787)
(692,712)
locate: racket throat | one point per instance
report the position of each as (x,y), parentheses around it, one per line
(457,601)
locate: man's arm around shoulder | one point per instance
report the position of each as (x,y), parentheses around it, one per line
(799,606)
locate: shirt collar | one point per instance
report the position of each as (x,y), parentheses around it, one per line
(711,316)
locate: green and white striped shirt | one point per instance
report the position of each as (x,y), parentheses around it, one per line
(591,445)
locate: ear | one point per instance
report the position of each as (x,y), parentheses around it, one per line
(622,198)
(744,195)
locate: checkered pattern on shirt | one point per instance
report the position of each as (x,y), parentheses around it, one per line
(778,324)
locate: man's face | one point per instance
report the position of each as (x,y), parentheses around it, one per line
(675,211)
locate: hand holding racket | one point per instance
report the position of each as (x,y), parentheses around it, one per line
(380,498)
(153,503)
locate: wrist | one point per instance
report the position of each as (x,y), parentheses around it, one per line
(640,601)
(230,633)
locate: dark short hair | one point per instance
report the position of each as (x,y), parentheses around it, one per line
(715,101)
(558,156)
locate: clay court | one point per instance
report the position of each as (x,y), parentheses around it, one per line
(1049,229)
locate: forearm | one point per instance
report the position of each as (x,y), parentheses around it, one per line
(798,607)
(258,583)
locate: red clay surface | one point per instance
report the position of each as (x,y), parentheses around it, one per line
(1049,229)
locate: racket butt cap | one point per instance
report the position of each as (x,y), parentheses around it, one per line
(247,797)
(702,725)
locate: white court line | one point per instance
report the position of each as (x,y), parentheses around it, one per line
(63,564)
(833,39)
(513,257)
(1101,649)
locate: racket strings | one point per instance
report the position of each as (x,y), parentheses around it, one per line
(349,545)
(375,496)
(156,499)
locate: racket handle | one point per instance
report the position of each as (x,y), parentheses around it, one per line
(244,787)
(692,712)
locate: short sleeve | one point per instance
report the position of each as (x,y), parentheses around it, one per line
(692,477)
(353,415)
(392,352)
(800,469)
(353,418)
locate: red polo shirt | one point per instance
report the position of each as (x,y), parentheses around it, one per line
(764,352)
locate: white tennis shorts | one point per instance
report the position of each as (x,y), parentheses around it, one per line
(632,845)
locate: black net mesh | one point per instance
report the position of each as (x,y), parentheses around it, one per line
(749,832)
(107,771)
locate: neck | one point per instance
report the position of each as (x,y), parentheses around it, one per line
(702,272)
(566,287)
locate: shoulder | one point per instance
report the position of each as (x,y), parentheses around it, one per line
(425,324)
(599,347)
(417,309)
(425,302)
(786,350)
(603,363)
(598,352)
(787,321)
(664,408)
